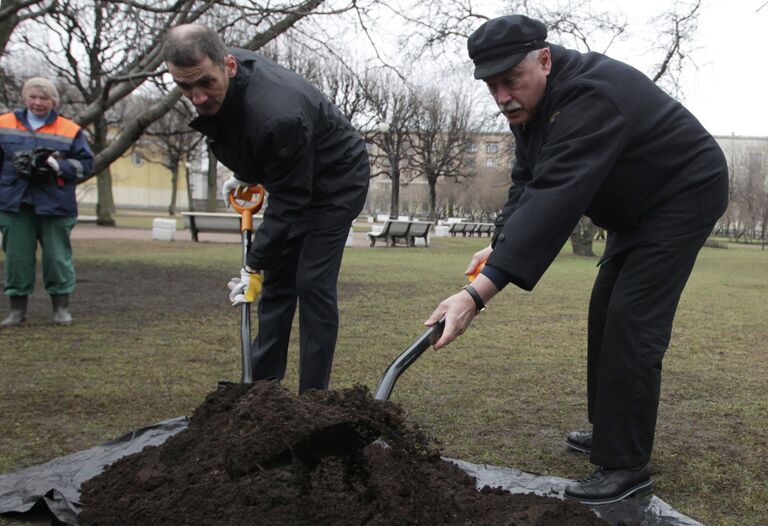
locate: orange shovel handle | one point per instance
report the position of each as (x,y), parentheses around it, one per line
(471,277)
(253,197)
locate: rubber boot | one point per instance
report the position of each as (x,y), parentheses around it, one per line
(61,315)
(18,313)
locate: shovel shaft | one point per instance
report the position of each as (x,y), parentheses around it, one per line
(245,321)
(406,358)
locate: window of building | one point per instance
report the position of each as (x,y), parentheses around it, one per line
(490,163)
(137,158)
(491,147)
(471,147)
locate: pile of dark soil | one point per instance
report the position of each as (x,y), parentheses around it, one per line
(260,455)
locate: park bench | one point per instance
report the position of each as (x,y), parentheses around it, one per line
(405,231)
(471,229)
(483,228)
(419,229)
(381,234)
(458,228)
(398,230)
(215,222)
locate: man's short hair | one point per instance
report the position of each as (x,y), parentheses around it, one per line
(44,85)
(187,45)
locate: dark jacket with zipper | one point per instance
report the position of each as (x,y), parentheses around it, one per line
(57,196)
(276,129)
(608,143)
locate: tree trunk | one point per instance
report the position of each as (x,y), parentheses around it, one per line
(581,237)
(105,202)
(190,202)
(394,204)
(6,29)
(432,200)
(174,184)
(210,203)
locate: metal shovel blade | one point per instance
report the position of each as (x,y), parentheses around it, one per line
(406,358)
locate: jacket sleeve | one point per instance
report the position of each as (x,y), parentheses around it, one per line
(286,153)
(583,139)
(78,162)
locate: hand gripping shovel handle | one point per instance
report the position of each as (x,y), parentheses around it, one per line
(253,197)
(406,358)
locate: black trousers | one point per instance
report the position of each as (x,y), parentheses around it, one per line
(631,310)
(308,274)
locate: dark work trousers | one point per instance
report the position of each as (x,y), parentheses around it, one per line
(308,272)
(631,310)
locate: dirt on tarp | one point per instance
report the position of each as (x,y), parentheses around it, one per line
(257,454)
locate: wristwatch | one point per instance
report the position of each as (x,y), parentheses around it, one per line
(479,305)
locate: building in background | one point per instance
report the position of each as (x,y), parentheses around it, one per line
(141,180)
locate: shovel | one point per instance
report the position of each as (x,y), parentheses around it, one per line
(406,358)
(246,200)
(412,353)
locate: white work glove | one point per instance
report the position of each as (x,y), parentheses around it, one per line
(246,288)
(54,164)
(230,184)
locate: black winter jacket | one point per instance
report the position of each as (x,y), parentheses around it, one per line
(276,129)
(608,143)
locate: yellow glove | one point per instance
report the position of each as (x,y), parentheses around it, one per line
(246,288)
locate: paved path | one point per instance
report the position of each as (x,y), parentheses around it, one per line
(89,231)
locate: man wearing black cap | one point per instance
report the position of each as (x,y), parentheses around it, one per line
(595,137)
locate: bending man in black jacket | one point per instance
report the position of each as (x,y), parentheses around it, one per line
(594,136)
(270,126)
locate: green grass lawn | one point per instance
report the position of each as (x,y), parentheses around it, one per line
(154,332)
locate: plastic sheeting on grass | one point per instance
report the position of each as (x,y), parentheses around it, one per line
(56,484)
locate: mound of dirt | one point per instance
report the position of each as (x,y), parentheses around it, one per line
(257,454)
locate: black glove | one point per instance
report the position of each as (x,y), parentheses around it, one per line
(33,165)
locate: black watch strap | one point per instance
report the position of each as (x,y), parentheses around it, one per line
(479,305)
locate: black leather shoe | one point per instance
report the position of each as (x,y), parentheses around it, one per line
(605,486)
(579,441)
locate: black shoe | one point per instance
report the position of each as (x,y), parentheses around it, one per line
(605,486)
(579,441)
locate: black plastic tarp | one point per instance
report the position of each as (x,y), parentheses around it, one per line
(56,484)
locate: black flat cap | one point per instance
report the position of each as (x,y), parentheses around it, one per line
(501,43)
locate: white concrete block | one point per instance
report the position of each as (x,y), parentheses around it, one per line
(163,229)
(442,231)
(350,238)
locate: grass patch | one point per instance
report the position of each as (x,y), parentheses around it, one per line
(154,332)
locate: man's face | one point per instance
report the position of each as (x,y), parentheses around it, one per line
(205,84)
(519,90)
(38,102)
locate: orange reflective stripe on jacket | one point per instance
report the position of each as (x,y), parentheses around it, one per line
(61,130)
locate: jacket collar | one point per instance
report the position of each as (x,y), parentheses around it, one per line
(21,115)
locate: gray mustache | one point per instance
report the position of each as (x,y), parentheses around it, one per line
(510,106)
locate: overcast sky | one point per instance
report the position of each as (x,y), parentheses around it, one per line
(728,91)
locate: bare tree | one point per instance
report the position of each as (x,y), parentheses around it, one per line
(178,144)
(441,138)
(110,48)
(677,31)
(393,109)
(14,12)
